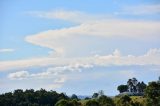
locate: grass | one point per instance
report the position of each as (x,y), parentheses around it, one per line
(139,99)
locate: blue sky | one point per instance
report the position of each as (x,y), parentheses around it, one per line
(73,46)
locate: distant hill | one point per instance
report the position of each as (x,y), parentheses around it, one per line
(84,96)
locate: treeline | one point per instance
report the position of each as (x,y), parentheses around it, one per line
(52,98)
(31,98)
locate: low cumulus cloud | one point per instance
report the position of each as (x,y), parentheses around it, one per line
(50,72)
(19,75)
(58,75)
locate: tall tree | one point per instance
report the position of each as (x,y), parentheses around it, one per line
(152,92)
(130,85)
(95,95)
(74,96)
(101,92)
(122,88)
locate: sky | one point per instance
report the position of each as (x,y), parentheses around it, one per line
(78,47)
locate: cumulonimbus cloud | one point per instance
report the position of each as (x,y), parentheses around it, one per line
(90,25)
(102,27)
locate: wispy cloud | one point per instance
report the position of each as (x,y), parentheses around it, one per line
(71,16)
(141,9)
(6,50)
(152,57)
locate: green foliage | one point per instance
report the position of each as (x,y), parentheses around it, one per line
(95,95)
(105,101)
(124,101)
(87,98)
(52,98)
(142,86)
(138,100)
(92,102)
(152,92)
(74,102)
(63,102)
(122,88)
(74,96)
(31,98)
(100,101)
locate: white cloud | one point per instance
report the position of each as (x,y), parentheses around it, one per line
(104,28)
(18,75)
(72,16)
(141,10)
(52,86)
(152,57)
(66,40)
(58,75)
(63,41)
(51,72)
(6,50)
(60,80)
(54,71)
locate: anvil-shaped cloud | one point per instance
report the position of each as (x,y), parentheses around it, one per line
(69,39)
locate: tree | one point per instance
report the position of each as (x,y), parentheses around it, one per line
(91,103)
(74,103)
(62,102)
(152,92)
(74,96)
(6,99)
(18,96)
(143,86)
(87,98)
(130,85)
(122,88)
(31,98)
(101,92)
(95,95)
(105,101)
(124,101)
(29,95)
